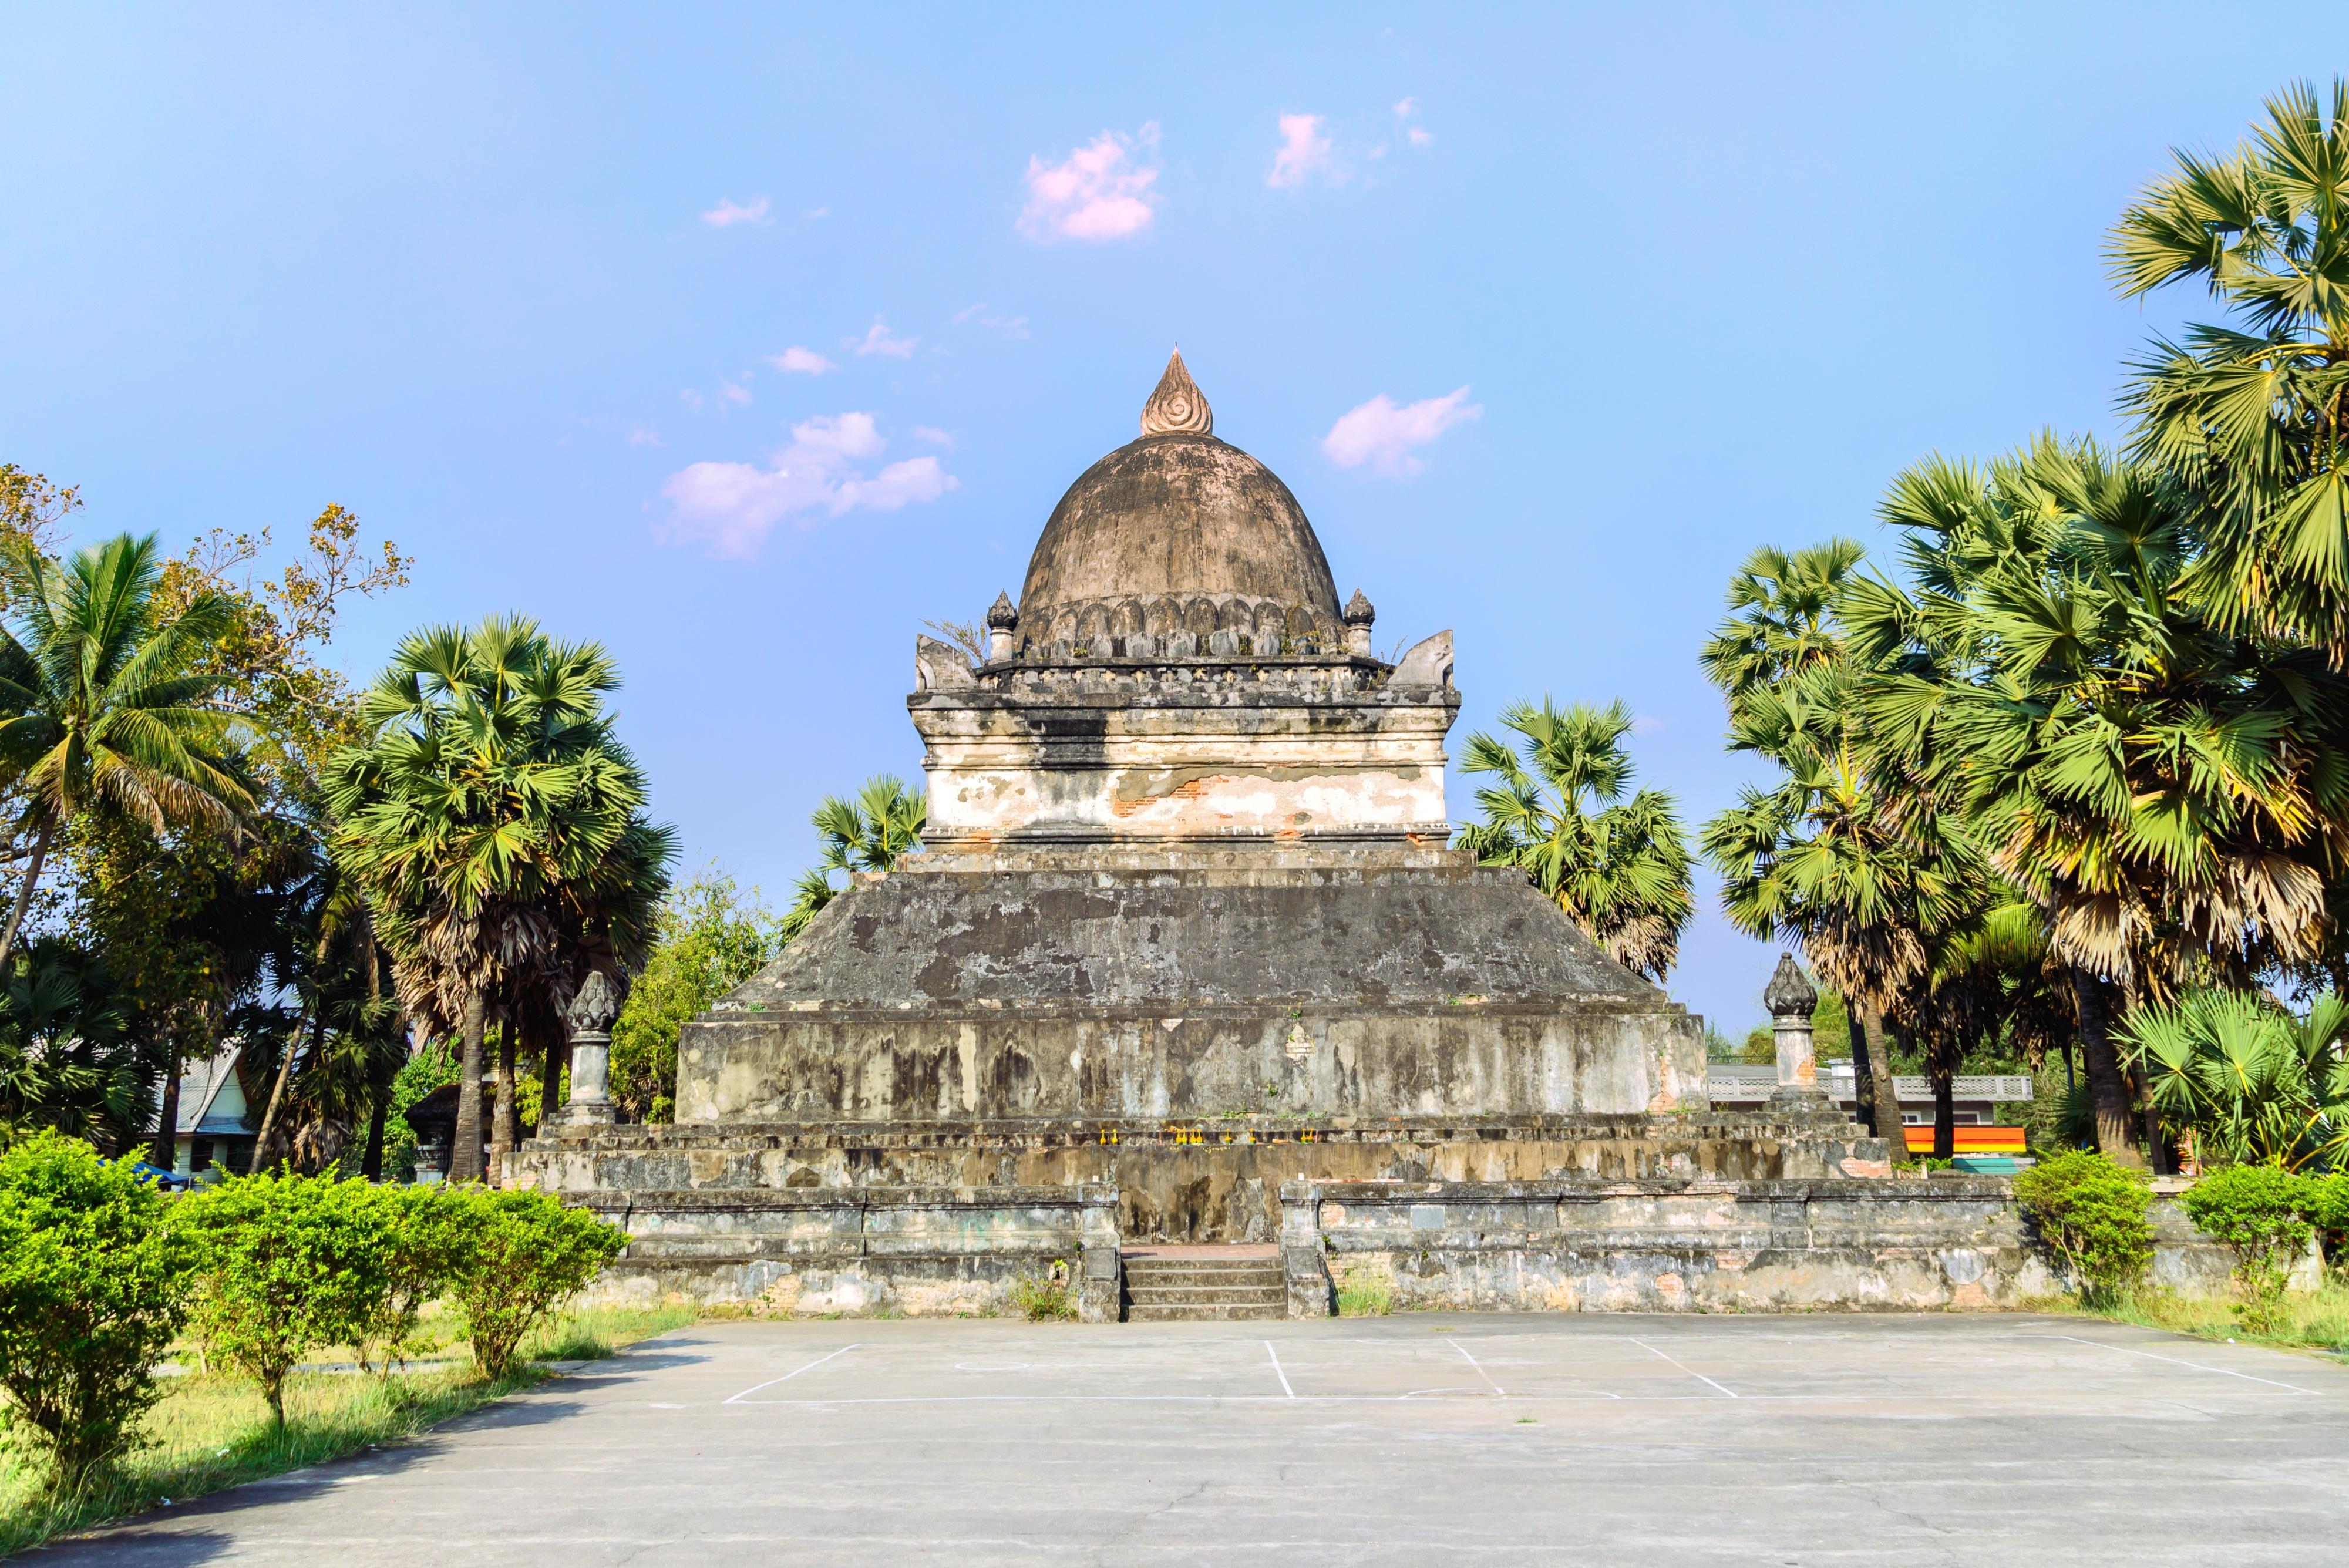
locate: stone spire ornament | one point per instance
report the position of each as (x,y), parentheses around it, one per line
(1790,997)
(1178,407)
(1002,621)
(590,1017)
(1359,618)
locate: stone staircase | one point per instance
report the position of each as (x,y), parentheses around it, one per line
(1202,1284)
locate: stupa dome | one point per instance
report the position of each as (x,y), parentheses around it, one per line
(1174,529)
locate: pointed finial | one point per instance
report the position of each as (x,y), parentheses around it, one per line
(1359,611)
(1178,407)
(1003,613)
(1789,994)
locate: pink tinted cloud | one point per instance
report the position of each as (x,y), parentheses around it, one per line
(1304,154)
(728,214)
(1382,433)
(1100,192)
(729,509)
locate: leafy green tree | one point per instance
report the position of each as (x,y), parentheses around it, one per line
(2091,1213)
(1563,812)
(287,1263)
(2253,416)
(489,799)
(92,1293)
(711,938)
(525,1255)
(103,709)
(867,834)
(2250,1083)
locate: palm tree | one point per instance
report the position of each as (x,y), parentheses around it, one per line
(2248,1082)
(2255,416)
(2168,793)
(867,834)
(1616,866)
(102,708)
(488,794)
(1824,858)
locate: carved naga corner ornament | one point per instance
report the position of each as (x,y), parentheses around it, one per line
(1178,407)
(595,1005)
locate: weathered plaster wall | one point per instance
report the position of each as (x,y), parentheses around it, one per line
(1356,981)
(919,1252)
(1752,1246)
(1281,748)
(1203,1182)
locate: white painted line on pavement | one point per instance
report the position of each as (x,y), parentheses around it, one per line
(786,1378)
(1700,1376)
(2174,1361)
(1276,1372)
(1474,1362)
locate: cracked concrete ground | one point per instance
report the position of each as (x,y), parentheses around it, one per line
(1963,1440)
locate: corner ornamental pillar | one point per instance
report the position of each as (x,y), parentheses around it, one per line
(590,1018)
(1002,621)
(1791,998)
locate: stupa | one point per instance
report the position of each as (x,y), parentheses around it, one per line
(1185,927)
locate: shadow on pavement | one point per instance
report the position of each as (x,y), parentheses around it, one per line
(125,1548)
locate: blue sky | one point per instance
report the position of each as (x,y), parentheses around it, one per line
(1708,276)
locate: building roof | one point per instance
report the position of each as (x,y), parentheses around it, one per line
(200,1085)
(1176,515)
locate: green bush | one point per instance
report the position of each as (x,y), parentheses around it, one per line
(1048,1298)
(93,1287)
(524,1253)
(2328,1208)
(288,1263)
(2092,1215)
(425,1229)
(2262,1212)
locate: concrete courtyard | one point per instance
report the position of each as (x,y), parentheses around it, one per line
(1964,1440)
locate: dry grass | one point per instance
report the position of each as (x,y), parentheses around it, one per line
(211,1430)
(2315,1320)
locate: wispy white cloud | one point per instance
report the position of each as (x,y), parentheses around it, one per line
(801,361)
(1382,434)
(1647,724)
(1304,154)
(819,212)
(728,214)
(878,339)
(1100,192)
(1403,110)
(734,392)
(641,436)
(932,435)
(1010,326)
(729,508)
(1419,136)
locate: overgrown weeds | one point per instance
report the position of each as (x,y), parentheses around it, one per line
(2301,1320)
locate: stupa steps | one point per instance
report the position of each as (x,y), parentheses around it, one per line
(1195,1284)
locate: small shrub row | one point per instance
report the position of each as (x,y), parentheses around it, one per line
(99,1273)
(2091,1214)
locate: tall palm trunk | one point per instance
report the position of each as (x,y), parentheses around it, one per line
(32,879)
(552,1053)
(465,1158)
(1888,1093)
(502,1127)
(1945,1108)
(2106,1089)
(372,1164)
(165,1152)
(1863,1073)
(265,1151)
